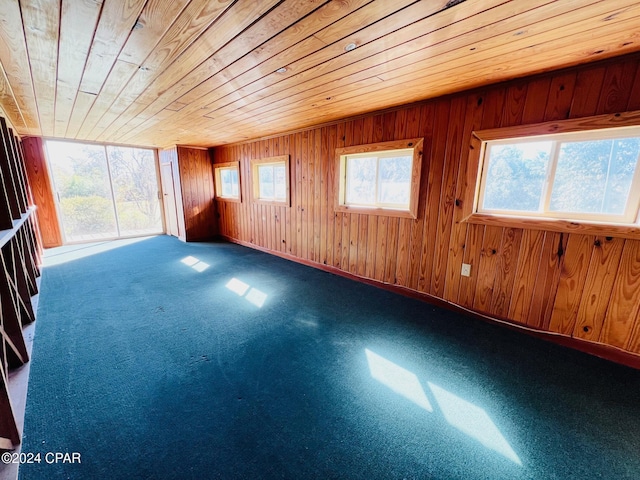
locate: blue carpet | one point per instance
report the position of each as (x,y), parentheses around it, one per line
(165,360)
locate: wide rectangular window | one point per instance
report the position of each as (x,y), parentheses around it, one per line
(104,191)
(579,175)
(227,180)
(270,180)
(575,176)
(381,178)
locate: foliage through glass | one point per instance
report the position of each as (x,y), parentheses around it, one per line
(379,180)
(272,182)
(583,179)
(105,192)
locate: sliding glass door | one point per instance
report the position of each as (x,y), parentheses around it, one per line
(134,180)
(104,191)
(81,180)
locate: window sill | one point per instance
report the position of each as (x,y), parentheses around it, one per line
(273,203)
(228,199)
(384,212)
(556,225)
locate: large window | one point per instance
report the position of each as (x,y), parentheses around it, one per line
(104,192)
(227,179)
(579,175)
(380,178)
(270,180)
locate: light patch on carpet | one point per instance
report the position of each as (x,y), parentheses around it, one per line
(240,288)
(200,266)
(195,263)
(68,253)
(237,286)
(459,413)
(257,297)
(398,379)
(190,261)
(472,421)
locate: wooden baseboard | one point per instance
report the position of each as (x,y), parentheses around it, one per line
(607,352)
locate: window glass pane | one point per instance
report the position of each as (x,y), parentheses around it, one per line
(361,180)
(516,175)
(265,181)
(225,182)
(229,182)
(135,187)
(394,186)
(235,183)
(280,182)
(594,176)
(81,178)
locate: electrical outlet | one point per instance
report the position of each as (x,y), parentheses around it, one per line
(466,270)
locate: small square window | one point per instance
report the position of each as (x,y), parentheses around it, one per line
(227,180)
(381,178)
(270,180)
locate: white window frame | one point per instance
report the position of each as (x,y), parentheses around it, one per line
(380,150)
(281,160)
(217,168)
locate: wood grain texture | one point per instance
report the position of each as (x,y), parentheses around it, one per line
(9,104)
(505,275)
(195,176)
(410,69)
(227,26)
(192,22)
(40,181)
(222,53)
(408,81)
(41,21)
(114,27)
(210,72)
(557,225)
(572,277)
(465,187)
(529,255)
(15,63)
(596,295)
(78,21)
(625,299)
(289,45)
(546,280)
(434,183)
(487,267)
(447,201)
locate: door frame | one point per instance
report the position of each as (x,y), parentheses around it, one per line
(171,228)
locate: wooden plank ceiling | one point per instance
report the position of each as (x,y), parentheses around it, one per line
(209,72)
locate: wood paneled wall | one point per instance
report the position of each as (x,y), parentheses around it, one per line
(193,184)
(42,191)
(574,285)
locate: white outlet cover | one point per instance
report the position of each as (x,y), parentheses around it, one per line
(466,270)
